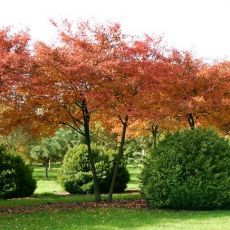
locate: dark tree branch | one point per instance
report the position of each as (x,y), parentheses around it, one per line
(77,128)
(75,120)
(120,118)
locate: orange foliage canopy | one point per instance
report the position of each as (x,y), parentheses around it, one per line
(218,96)
(69,75)
(15,70)
(115,75)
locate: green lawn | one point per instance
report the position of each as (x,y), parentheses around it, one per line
(134,183)
(101,218)
(117,219)
(47,185)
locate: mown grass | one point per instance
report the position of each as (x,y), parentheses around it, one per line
(135,171)
(50,184)
(117,218)
(102,218)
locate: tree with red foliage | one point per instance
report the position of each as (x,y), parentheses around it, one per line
(15,69)
(64,89)
(218,96)
(186,89)
(135,67)
(66,78)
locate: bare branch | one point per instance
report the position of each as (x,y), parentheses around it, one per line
(77,128)
(120,118)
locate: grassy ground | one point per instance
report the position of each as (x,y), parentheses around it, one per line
(117,218)
(134,183)
(47,185)
(101,218)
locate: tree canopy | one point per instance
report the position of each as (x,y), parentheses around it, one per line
(97,74)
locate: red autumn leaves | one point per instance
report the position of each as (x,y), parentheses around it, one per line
(118,76)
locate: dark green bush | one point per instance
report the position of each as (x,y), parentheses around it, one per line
(188,170)
(15,176)
(76,177)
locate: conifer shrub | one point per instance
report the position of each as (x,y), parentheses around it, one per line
(76,176)
(188,170)
(15,176)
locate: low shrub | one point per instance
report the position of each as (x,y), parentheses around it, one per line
(76,177)
(188,170)
(15,176)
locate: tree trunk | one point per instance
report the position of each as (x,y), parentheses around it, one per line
(119,157)
(142,155)
(191,121)
(49,164)
(86,117)
(46,163)
(155,128)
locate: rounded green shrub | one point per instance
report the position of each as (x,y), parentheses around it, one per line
(15,176)
(188,170)
(76,176)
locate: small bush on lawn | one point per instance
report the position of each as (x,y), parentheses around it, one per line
(188,170)
(76,177)
(15,176)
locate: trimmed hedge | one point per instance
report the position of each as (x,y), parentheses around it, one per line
(76,177)
(188,170)
(15,176)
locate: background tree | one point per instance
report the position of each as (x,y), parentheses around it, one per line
(45,152)
(185,89)
(15,69)
(19,141)
(218,96)
(64,139)
(53,149)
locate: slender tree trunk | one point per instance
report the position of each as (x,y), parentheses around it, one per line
(86,117)
(191,121)
(119,157)
(142,155)
(155,128)
(49,164)
(46,164)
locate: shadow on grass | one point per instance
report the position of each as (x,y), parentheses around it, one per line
(118,218)
(50,198)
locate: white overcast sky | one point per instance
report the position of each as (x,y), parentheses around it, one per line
(202,26)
